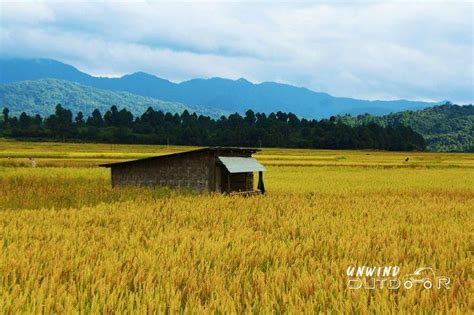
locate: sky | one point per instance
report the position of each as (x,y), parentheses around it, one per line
(417,50)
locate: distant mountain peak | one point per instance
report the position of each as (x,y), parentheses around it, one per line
(140,74)
(243,80)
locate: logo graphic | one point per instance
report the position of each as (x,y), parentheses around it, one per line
(365,277)
(427,277)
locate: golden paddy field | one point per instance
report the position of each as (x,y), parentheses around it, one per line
(71,244)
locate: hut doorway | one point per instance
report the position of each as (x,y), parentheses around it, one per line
(226,181)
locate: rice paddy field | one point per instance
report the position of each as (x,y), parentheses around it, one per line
(69,243)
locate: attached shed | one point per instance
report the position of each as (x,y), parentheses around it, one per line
(217,169)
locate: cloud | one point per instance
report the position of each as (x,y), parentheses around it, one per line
(373,50)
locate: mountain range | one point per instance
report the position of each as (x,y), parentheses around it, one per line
(212,96)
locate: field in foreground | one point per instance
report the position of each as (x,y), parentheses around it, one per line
(68,242)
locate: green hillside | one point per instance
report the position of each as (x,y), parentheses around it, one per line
(41,97)
(445,128)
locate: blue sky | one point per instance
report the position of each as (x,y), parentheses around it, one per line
(419,50)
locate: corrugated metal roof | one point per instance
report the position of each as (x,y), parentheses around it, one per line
(241,164)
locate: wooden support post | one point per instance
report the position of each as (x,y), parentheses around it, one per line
(261,185)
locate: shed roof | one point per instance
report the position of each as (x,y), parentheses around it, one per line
(241,164)
(208,149)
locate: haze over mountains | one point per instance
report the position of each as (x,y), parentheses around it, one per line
(207,96)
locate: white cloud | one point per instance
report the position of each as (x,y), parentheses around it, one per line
(25,12)
(374,50)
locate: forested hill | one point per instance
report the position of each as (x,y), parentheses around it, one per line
(445,128)
(252,130)
(41,97)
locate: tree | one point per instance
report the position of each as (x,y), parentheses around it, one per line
(6,111)
(95,119)
(24,121)
(124,118)
(60,123)
(79,119)
(250,118)
(110,117)
(5,124)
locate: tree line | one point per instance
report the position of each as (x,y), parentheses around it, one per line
(448,127)
(251,130)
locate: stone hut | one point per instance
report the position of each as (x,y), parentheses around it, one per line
(218,169)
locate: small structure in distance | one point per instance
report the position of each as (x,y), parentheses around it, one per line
(218,169)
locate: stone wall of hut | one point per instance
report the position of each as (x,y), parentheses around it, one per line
(187,171)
